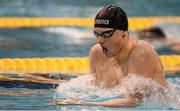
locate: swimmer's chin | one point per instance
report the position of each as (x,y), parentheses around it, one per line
(108,54)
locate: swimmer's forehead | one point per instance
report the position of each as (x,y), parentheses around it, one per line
(100,29)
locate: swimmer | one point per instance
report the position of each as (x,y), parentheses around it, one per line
(115,55)
(159,40)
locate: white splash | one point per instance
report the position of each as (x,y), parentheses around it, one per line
(155,96)
(87,88)
(70,32)
(173,95)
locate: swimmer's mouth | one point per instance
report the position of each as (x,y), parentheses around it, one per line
(105,50)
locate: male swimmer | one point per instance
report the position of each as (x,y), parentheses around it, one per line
(157,37)
(115,55)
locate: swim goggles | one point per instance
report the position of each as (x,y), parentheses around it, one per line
(105,34)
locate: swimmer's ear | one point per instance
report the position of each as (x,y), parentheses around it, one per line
(125,33)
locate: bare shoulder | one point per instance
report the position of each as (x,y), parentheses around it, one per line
(96,52)
(95,55)
(143,49)
(144,44)
(95,48)
(143,59)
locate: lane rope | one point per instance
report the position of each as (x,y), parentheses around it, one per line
(135,23)
(67,65)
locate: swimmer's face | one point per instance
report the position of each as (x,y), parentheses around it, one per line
(110,40)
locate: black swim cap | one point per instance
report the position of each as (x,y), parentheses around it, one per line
(111,17)
(152,33)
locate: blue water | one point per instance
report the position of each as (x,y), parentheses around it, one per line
(65,41)
(44,98)
(36,42)
(86,8)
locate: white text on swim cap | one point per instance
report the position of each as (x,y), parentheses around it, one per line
(101,21)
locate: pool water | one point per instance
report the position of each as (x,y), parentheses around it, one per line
(35,98)
(69,42)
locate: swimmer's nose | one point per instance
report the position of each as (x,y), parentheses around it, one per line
(100,40)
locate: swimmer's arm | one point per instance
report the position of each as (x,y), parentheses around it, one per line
(126,102)
(92,66)
(130,101)
(92,59)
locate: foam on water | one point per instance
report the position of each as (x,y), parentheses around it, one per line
(78,33)
(87,88)
(155,96)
